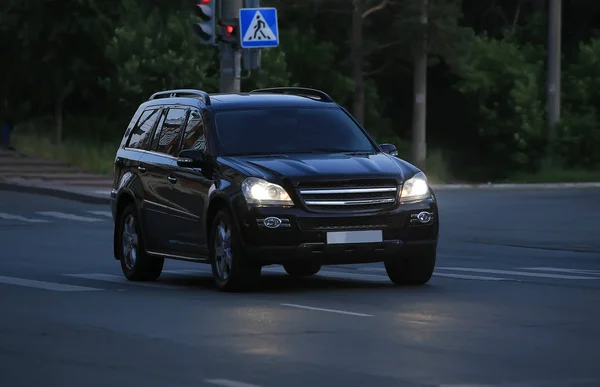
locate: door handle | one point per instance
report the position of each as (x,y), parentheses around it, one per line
(172,179)
(142,169)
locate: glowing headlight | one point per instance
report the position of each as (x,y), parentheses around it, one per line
(259,191)
(415,188)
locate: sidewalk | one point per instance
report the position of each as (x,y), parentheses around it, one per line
(51,177)
(27,174)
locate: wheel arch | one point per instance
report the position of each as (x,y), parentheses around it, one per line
(123,200)
(217,203)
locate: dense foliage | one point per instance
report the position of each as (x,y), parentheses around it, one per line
(77,68)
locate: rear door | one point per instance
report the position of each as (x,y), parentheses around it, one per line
(160,215)
(127,170)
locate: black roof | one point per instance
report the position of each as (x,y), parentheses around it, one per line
(262,99)
(252,100)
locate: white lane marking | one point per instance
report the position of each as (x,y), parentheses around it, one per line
(335,275)
(473,277)
(229,383)
(6,216)
(45,285)
(458,276)
(562,270)
(534,383)
(327,310)
(62,215)
(108,214)
(520,273)
(188,271)
(122,280)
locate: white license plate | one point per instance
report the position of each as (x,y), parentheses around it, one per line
(341,237)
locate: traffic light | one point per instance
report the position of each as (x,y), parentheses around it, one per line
(229,31)
(205,29)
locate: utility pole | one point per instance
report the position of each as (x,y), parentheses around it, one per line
(554,56)
(230,71)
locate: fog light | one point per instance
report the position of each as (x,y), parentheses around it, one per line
(272,222)
(424,217)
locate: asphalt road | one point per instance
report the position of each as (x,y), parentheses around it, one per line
(514,302)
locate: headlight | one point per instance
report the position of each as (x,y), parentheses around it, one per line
(259,191)
(415,188)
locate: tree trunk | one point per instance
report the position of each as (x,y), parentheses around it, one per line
(419,147)
(358,106)
(58,117)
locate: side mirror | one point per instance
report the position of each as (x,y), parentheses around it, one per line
(390,149)
(190,158)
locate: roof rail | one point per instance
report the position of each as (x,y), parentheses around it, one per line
(297,91)
(181,93)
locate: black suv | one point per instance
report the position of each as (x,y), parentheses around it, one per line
(274,176)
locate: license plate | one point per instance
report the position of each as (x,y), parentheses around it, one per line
(341,237)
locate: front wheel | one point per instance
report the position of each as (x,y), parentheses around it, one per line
(416,269)
(135,263)
(232,270)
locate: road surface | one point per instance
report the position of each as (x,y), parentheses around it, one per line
(513,302)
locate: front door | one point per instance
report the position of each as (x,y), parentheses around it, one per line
(191,190)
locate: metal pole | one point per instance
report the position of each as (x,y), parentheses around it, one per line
(554,55)
(230,70)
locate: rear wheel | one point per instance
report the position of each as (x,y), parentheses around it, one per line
(302,269)
(232,270)
(135,263)
(416,269)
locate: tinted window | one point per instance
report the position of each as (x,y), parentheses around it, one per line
(289,130)
(156,137)
(170,133)
(140,134)
(193,137)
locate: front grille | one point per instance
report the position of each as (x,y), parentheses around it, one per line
(361,195)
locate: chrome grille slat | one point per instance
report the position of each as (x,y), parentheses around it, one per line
(369,195)
(347,190)
(361,202)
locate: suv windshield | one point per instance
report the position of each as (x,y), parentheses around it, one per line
(289,130)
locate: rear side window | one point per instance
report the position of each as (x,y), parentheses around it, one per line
(193,137)
(140,135)
(171,130)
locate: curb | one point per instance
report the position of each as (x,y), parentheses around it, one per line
(515,186)
(76,196)
(93,199)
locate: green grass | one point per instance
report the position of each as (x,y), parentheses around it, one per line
(99,158)
(557,175)
(93,157)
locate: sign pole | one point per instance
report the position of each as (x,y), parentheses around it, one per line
(230,69)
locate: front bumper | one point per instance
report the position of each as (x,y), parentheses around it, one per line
(302,235)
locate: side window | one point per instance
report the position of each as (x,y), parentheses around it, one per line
(170,133)
(140,134)
(193,137)
(156,137)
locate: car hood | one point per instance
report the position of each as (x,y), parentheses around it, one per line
(308,167)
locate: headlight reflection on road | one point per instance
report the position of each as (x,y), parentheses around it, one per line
(257,330)
(423,326)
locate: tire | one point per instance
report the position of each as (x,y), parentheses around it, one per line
(131,245)
(414,270)
(231,268)
(302,269)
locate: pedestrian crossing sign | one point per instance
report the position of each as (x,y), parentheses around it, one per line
(258,27)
